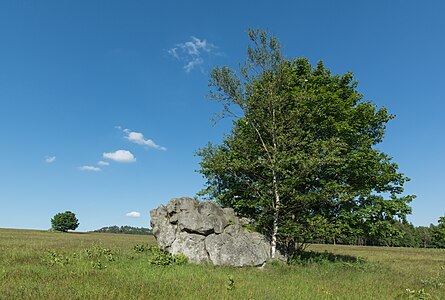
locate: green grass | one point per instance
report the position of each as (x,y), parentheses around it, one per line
(48,265)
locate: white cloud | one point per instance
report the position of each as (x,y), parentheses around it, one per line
(192,64)
(89,168)
(174,52)
(103,163)
(120,156)
(191,53)
(50,159)
(138,138)
(133,214)
(195,46)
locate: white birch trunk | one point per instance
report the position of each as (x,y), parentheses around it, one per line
(273,243)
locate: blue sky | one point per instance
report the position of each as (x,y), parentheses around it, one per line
(81,80)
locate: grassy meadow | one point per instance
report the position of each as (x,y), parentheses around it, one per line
(49,265)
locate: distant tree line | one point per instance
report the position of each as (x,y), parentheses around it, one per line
(395,234)
(125,230)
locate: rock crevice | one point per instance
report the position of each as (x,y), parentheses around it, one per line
(205,232)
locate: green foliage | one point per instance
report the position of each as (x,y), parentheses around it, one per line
(98,252)
(230,283)
(312,257)
(54,258)
(64,221)
(438,234)
(301,158)
(394,234)
(161,257)
(420,294)
(180,259)
(140,248)
(124,230)
(424,235)
(95,255)
(98,265)
(250,227)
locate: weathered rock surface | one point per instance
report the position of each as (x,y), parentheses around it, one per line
(205,232)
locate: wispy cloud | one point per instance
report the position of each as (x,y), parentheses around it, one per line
(138,138)
(50,159)
(90,168)
(103,163)
(192,64)
(192,53)
(120,156)
(133,214)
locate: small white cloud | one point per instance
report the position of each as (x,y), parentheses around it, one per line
(120,156)
(133,214)
(174,52)
(195,46)
(191,53)
(138,138)
(192,64)
(90,168)
(103,163)
(50,159)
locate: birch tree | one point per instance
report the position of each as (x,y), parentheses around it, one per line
(301,150)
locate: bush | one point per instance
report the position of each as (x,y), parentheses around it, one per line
(161,257)
(140,248)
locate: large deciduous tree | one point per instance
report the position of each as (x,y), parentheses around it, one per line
(64,221)
(301,156)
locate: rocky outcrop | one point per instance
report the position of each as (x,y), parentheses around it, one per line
(205,232)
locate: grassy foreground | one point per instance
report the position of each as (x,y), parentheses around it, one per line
(46,265)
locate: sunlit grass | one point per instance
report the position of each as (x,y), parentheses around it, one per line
(48,265)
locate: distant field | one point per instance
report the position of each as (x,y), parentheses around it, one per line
(46,265)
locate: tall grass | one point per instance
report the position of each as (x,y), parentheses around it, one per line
(47,265)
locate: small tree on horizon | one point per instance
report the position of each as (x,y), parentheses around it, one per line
(64,221)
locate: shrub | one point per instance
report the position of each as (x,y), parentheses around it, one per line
(139,248)
(161,257)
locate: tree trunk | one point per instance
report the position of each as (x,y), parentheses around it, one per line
(273,243)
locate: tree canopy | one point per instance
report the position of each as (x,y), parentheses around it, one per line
(301,157)
(64,221)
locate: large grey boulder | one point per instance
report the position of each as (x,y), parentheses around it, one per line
(205,232)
